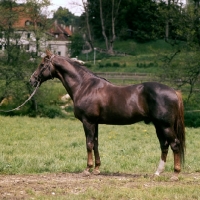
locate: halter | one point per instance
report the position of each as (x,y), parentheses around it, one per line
(47,66)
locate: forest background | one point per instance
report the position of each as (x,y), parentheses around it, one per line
(160,38)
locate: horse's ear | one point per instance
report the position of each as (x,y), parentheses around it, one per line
(49,54)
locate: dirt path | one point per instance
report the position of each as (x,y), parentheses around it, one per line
(29,186)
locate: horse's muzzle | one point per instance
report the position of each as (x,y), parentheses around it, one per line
(33,82)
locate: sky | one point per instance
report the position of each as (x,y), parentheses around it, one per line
(69,4)
(76,10)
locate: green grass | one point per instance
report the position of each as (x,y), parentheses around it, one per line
(37,145)
(137,54)
(44,146)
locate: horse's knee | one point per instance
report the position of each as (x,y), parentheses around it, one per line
(90,146)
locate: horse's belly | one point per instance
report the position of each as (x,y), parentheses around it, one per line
(120,119)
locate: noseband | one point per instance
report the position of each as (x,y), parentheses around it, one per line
(47,66)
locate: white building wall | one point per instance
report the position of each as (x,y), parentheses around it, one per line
(59,47)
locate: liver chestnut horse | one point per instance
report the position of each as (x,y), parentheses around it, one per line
(97,101)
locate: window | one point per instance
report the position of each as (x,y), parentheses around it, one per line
(28,35)
(1,47)
(59,53)
(56,35)
(26,46)
(27,23)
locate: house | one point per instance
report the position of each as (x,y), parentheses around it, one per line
(23,37)
(55,38)
(60,39)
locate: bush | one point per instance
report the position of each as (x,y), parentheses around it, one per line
(88,65)
(192,119)
(100,65)
(108,64)
(144,65)
(115,64)
(49,111)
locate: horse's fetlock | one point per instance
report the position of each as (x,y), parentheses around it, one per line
(97,163)
(177,169)
(90,165)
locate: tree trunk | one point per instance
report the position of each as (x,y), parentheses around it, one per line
(109,45)
(167,24)
(103,26)
(90,40)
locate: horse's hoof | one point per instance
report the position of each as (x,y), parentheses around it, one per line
(153,177)
(96,172)
(86,173)
(174,178)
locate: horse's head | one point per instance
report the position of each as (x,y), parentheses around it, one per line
(44,71)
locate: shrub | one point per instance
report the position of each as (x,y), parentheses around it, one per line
(88,65)
(192,119)
(100,65)
(144,65)
(115,64)
(108,64)
(49,111)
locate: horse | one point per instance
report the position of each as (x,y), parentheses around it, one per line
(97,101)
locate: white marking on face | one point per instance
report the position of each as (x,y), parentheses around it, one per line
(160,168)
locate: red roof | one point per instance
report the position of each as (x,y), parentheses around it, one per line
(60,31)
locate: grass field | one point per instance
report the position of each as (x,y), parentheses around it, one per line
(41,146)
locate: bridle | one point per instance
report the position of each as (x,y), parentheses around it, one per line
(46,67)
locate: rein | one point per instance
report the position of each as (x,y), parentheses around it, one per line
(17,108)
(38,78)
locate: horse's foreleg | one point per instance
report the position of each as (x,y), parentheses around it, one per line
(96,152)
(89,134)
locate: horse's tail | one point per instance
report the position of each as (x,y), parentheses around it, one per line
(180,126)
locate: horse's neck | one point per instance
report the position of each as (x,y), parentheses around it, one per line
(71,78)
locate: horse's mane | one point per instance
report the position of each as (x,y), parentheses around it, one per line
(80,66)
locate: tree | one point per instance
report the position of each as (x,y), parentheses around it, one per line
(77,43)
(15,62)
(102,15)
(39,22)
(184,36)
(64,16)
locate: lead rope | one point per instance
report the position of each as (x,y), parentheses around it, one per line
(17,108)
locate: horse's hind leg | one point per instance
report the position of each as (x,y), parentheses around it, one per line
(164,151)
(96,152)
(166,137)
(177,158)
(170,139)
